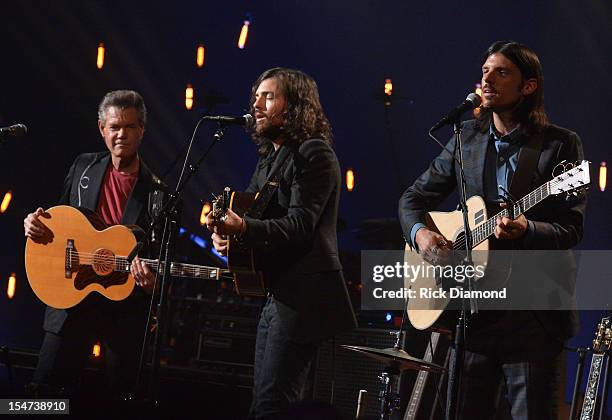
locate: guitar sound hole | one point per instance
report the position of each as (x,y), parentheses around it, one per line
(103,262)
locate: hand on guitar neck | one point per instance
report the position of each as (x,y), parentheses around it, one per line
(230,224)
(506,228)
(143,275)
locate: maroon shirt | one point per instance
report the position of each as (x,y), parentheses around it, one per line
(114,195)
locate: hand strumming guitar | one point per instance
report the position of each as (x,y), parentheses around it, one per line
(432,246)
(35,229)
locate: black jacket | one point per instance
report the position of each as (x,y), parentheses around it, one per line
(298,239)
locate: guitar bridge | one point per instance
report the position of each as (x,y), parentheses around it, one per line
(69,258)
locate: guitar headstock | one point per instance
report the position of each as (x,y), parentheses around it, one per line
(603,336)
(220,204)
(574,179)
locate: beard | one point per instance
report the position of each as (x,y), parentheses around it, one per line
(268,132)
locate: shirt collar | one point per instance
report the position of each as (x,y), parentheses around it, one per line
(512,137)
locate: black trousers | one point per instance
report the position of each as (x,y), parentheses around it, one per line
(514,358)
(63,355)
(282,361)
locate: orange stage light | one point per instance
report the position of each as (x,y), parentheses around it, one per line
(388,87)
(97,350)
(101,52)
(350,180)
(10,289)
(603,176)
(206,208)
(244,33)
(200,56)
(8,196)
(189,97)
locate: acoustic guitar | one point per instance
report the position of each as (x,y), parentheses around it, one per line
(241,260)
(424,312)
(80,255)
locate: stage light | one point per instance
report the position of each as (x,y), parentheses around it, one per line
(388,87)
(200,56)
(603,176)
(101,51)
(350,180)
(97,350)
(206,208)
(388,317)
(244,33)
(189,97)
(10,289)
(8,196)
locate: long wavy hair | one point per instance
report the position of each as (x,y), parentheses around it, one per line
(531,113)
(303,117)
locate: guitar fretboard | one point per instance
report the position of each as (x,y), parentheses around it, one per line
(486,229)
(176,269)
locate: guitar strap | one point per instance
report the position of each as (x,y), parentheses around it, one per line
(272,183)
(527,166)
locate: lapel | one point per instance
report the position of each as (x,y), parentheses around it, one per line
(282,156)
(136,203)
(90,183)
(474,158)
(280,160)
(526,169)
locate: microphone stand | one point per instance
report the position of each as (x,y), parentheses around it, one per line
(457,359)
(169,213)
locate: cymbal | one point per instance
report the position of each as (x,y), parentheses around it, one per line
(396,358)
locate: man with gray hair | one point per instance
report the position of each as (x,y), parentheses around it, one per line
(120,189)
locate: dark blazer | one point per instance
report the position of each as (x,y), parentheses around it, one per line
(82,189)
(558,223)
(297,236)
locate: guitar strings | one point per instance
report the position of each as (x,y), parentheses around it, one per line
(479,234)
(88,258)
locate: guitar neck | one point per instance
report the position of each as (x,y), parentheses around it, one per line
(590,394)
(487,229)
(176,269)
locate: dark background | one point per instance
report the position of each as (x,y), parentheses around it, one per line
(431,50)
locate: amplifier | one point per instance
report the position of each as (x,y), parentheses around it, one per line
(225,339)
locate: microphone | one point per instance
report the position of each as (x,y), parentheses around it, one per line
(472,101)
(16,130)
(246,120)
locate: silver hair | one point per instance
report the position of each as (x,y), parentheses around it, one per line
(123,99)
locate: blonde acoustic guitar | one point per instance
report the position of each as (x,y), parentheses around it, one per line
(79,256)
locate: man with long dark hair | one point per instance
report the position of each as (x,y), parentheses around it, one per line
(307,300)
(515,351)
